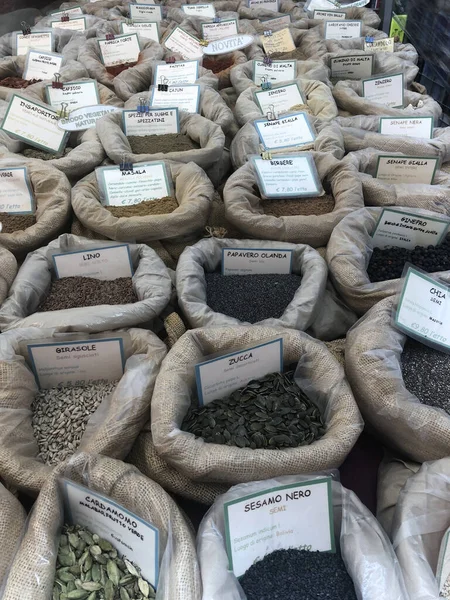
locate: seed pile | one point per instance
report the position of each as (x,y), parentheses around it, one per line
(298,575)
(89,568)
(60,416)
(43,155)
(17,82)
(250,298)
(76,292)
(271,413)
(152,144)
(118,69)
(11,222)
(217,65)
(296,54)
(161,206)
(388,263)
(300,206)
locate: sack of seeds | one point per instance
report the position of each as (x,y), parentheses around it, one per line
(285,7)
(359,274)
(75,530)
(12,521)
(94,27)
(106,416)
(86,303)
(247,563)
(8,271)
(309,45)
(404,51)
(229,452)
(224,9)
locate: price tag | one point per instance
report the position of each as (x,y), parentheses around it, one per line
(145,12)
(352,67)
(107,262)
(383,45)
(78,362)
(288,176)
(299,515)
(199,10)
(406,169)
(387,90)
(342,30)
(256,261)
(285,132)
(283,21)
(76,93)
(184,43)
(279,41)
(42,65)
(147,30)
(147,181)
(121,50)
(75,10)
(267,4)
(38,40)
(420,127)
(329,15)
(85,117)
(34,124)
(72,24)
(158,121)
(280,99)
(16,195)
(408,230)
(278,72)
(177,73)
(218,31)
(133,538)
(219,377)
(185,97)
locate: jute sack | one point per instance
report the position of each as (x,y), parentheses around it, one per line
(12,521)
(404,51)
(151,282)
(95,27)
(175,12)
(193,191)
(309,45)
(205,76)
(348,254)
(285,7)
(318,374)
(373,367)
(366,550)
(8,270)
(32,570)
(112,428)
(65,41)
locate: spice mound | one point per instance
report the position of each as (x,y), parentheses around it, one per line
(60,416)
(296,54)
(161,206)
(298,575)
(251,298)
(118,69)
(271,413)
(388,263)
(89,568)
(152,144)
(43,155)
(18,82)
(217,65)
(78,292)
(300,206)
(12,222)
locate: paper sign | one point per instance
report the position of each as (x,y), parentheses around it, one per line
(147,30)
(177,73)
(78,362)
(120,50)
(342,30)
(229,44)
(352,67)
(278,72)
(147,181)
(199,10)
(219,377)
(287,176)
(16,196)
(285,132)
(34,124)
(254,261)
(279,41)
(299,515)
(158,121)
(185,97)
(75,93)
(387,90)
(218,31)
(75,10)
(383,45)
(277,22)
(184,43)
(107,262)
(280,99)
(406,169)
(408,230)
(72,24)
(266,4)
(420,127)
(443,568)
(329,15)
(38,40)
(145,12)
(42,65)
(133,538)
(85,117)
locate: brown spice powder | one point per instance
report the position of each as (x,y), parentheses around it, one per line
(296,54)
(152,144)
(162,206)
(217,65)
(43,155)
(117,69)
(302,206)
(17,82)
(11,222)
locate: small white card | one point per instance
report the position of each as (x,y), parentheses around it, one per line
(177,73)
(199,10)
(256,261)
(267,4)
(120,50)
(287,176)
(72,24)
(279,99)
(419,127)
(184,43)
(107,262)
(285,132)
(299,515)
(77,362)
(342,30)
(76,10)
(16,196)
(75,93)
(279,71)
(42,65)
(387,90)
(383,45)
(219,377)
(85,117)
(283,21)
(329,15)
(147,181)
(185,97)
(218,31)
(38,40)
(352,67)
(147,30)
(157,121)
(408,230)
(279,41)
(443,568)
(145,12)
(406,169)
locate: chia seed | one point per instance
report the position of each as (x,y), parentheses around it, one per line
(12,222)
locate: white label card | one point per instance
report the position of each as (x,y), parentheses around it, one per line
(106,262)
(134,538)
(184,43)
(266,4)
(329,15)
(121,50)
(383,45)
(443,568)
(228,44)
(420,127)
(42,65)
(299,515)
(177,73)
(219,377)
(158,121)
(279,99)
(77,362)
(279,41)
(199,10)
(185,97)
(72,24)
(147,181)
(16,196)
(218,31)
(76,10)
(76,93)
(352,67)
(387,90)
(285,132)
(277,21)
(406,169)
(85,117)
(147,30)
(287,176)
(408,230)
(342,30)
(256,261)
(38,40)
(278,72)
(145,12)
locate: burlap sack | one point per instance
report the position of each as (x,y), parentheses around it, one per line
(348,254)
(95,27)
(373,367)
(193,191)
(366,550)
(404,51)
(309,45)
(321,376)
(223,8)
(8,270)
(32,571)
(151,282)
(295,9)
(12,521)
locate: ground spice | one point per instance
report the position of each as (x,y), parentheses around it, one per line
(17,82)
(152,144)
(78,292)
(118,69)
(300,206)
(31,152)
(218,64)
(11,222)
(162,206)
(296,54)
